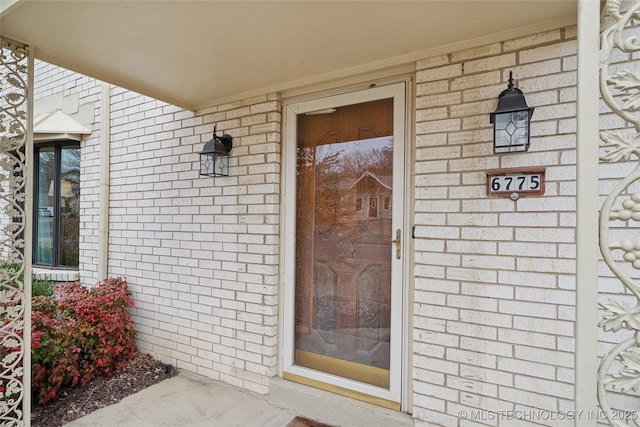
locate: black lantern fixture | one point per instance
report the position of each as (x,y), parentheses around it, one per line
(214,158)
(511,121)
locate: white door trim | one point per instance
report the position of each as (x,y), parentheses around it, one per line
(398,380)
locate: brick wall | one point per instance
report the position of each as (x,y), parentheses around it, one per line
(78,96)
(200,253)
(494,279)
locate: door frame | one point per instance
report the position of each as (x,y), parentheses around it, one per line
(397,395)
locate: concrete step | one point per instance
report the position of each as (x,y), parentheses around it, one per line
(332,408)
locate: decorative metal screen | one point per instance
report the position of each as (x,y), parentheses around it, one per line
(14,69)
(619,373)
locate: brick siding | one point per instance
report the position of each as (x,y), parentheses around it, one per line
(494,279)
(200,253)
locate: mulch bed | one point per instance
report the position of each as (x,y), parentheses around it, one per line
(72,403)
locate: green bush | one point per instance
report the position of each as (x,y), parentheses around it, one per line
(42,288)
(38,287)
(79,335)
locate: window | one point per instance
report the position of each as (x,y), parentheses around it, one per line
(57,205)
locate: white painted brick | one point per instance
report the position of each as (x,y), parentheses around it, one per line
(433,390)
(465,274)
(435,61)
(546,52)
(542,235)
(570,63)
(436,365)
(487,345)
(444,286)
(472,358)
(498,61)
(532,368)
(431,88)
(548,265)
(462,246)
(445,339)
(534,400)
(479,233)
(546,295)
(485,92)
(436,311)
(488,290)
(472,302)
(470,136)
(567,344)
(535,69)
(473,81)
(437,126)
(527,338)
(488,262)
(477,52)
(439,73)
(470,108)
(528,249)
(533,40)
(468,385)
(535,84)
(530,309)
(550,326)
(566,313)
(492,376)
(486,318)
(467,329)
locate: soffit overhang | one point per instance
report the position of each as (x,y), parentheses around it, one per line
(198,54)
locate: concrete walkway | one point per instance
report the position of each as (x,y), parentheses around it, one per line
(190,400)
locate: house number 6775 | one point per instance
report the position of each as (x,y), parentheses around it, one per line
(506,183)
(515,183)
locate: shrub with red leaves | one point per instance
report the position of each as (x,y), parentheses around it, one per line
(79,335)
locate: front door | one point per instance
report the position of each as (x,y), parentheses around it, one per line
(347,246)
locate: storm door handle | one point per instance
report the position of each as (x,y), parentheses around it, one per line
(398,242)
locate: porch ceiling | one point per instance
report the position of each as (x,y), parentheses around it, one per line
(196,54)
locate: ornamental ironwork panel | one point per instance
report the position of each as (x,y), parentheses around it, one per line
(619,372)
(14,64)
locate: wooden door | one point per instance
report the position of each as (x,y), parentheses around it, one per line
(344,184)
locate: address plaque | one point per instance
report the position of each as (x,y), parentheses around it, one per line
(515,182)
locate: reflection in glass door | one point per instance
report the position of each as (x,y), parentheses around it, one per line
(343,263)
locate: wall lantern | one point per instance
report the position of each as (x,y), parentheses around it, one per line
(511,121)
(214,158)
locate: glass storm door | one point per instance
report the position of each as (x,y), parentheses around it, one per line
(346,306)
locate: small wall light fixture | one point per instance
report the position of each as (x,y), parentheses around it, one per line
(511,121)
(214,158)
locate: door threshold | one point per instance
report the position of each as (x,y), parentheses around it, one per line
(333,407)
(343,368)
(389,404)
